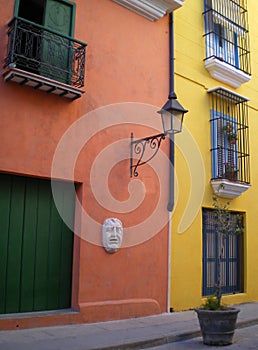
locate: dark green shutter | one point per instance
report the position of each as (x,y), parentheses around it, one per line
(36,247)
(59,17)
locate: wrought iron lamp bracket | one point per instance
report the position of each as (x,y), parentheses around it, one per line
(138,148)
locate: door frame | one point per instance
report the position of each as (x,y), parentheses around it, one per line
(67,2)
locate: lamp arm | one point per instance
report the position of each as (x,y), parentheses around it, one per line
(138,148)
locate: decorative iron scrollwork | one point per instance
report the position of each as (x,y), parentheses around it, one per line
(44,52)
(138,148)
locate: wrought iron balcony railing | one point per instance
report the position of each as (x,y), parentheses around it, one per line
(46,53)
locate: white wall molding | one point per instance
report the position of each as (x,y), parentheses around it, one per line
(151,9)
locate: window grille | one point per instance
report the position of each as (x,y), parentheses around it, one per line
(232,257)
(229,136)
(226,32)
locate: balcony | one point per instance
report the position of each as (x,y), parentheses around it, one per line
(44,59)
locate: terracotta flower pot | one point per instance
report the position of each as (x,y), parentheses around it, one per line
(231,175)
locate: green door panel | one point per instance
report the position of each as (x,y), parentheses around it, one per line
(59,16)
(5,202)
(54,257)
(57,50)
(29,246)
(36,247)
(15,242)
(41,258)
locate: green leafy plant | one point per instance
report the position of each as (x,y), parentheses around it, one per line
(230,172)
(230,132)
(230,168)
(211,303)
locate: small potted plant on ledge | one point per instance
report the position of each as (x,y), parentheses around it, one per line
(217,321)
(230,172)
(230,133)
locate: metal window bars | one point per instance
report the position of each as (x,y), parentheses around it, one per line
(226,32)
(229,136)
(232,258)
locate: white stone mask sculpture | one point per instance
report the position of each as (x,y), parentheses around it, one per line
(112,234)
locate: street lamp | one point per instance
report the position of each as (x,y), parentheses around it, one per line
(172,115)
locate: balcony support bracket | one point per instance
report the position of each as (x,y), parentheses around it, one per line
(41,83)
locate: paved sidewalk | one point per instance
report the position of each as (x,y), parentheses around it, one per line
(137,333)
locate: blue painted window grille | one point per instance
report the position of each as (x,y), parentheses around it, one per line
(225,146)
(232,258)
(230,157)
(226,32)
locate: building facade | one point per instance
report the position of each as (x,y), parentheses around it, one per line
(216,67)
(81,84)
(78,78)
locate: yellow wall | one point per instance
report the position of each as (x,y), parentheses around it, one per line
(191,84)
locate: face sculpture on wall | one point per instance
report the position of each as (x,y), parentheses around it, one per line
(112,234)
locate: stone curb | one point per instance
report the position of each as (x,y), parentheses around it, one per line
(247,323)
(144,344)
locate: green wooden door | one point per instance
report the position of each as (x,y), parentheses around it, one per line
(36,247)
(59,16)
(57,50)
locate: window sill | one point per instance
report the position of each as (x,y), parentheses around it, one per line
(228,189)
(150,9)
(226,73)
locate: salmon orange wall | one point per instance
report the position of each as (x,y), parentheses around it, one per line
(127,61)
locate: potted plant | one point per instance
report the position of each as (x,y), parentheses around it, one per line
(230,172)
(230,133)
(217,321)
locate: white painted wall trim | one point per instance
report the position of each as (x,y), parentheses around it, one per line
(151,9)
(228,189)
(226,73)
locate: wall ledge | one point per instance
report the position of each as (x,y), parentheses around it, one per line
(226,73)
(228,189)
(118,309)
(151,9)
